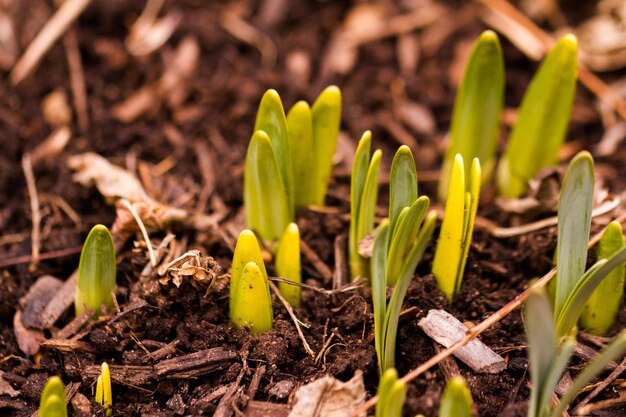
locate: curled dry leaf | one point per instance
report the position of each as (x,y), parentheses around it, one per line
(201,271)
(329,397)
(155,216)
(112,181)
(6,388)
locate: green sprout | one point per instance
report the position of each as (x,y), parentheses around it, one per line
(96,272)
(313,133)
(289,160)
(387,315)
(363,198)
(52,402)
(402,210)
(265,198)
(288,264)
(542,119)
(549,356)
(104,396)
(456,400)
(250,299)
(391,395)
(477,108)
(326,114)
(457,227)
(601,309)
(574,286)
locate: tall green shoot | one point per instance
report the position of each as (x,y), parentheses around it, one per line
(387,315)
(477,108)
(457,227)
(542,119)
(363,198)
(96,272)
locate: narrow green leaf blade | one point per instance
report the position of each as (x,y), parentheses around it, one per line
(615,350)
(357,184)
(270,118)
(554,374)
(541,345)
(477,108)
(404,237)
(399,291)
(253,307)
(542,119)
(402,184)
(326,112)
(575,204)
(576,300)
(265,198)
(379,288)
(456,400)
(300,128)
(96,272)
(367,211)
(288,264)
(450,245)
(471,208)
(601,309)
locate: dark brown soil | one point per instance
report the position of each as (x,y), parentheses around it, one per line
(219,111)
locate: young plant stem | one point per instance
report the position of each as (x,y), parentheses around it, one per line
(479,328)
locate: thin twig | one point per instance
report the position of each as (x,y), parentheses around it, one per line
(34,208)
(318,264)
(479,328)
(77,79)
(505,232)
(142,227)
(601,386)
(47,36)
(293,317)
(24,259)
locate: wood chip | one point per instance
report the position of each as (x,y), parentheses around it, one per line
(195,364)
(37,298)
(263,409)
(445,329)
(62,300)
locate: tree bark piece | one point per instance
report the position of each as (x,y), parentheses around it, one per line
(445,329)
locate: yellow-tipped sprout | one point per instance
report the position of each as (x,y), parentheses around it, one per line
(96,272)
(52,402)
(542,119)
(288,264)
(250,299)
(456,400)
(477,108)
(391,395)
(104,395)
(363,198)
(457,227)
(602,307)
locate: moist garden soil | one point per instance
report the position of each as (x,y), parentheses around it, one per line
(167,146)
